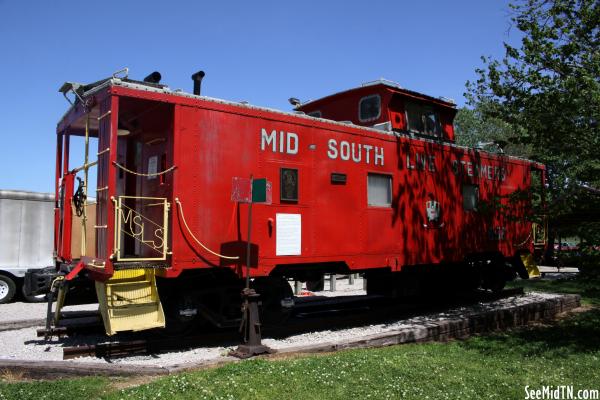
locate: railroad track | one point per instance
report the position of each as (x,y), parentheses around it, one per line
(310,314)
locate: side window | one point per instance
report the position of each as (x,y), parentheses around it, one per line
(369,108)
(316,114)
(470,197)
(423,119)
(379,190)
(288,187)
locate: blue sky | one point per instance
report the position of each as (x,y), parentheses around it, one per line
(260,51)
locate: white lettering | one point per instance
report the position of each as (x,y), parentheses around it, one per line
(344,150)
(354,151)
(469,168)
(378,156)
(409,165)
(420,160)
(288,141)
(367,148)
(455,168)
(292,137)
(332,151)
(432,163)
(266,139)
(356,157)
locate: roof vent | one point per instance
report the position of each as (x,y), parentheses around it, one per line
(197,78)
(154,77)
(382,81)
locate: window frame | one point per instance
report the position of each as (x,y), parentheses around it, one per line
(360,102)
(423,107)
(281,185)
(477,198)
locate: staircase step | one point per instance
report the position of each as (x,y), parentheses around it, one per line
(129,301)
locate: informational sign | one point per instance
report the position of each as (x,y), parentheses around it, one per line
(288,234)
(241,190)
(244,190)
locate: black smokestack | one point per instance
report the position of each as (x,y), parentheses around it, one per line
(197,78)
(154,77)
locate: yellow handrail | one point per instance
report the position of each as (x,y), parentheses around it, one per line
(196,239)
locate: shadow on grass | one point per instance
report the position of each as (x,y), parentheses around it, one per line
(576,334)
(587,288)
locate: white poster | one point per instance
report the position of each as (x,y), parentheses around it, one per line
(288,234)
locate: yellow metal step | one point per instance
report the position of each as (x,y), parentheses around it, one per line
(530,265)
(129,301)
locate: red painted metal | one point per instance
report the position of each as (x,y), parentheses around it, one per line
(57,209)
(210,142)
(73,273)
(65,218)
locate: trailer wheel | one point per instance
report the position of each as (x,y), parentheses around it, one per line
(39,298)
(7,289)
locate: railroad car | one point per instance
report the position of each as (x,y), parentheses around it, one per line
(368,180)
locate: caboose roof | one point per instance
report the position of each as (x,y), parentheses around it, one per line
(383,84)
(98,86)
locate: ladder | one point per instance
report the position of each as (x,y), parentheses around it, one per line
(129,301)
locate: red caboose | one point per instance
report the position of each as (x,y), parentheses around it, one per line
(368,180)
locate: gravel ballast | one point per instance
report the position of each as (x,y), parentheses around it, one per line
(20,311)
(23,344)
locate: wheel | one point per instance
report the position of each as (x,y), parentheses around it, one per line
(276,298)
(40,298)
(7,289)
(316,285)
(181,314)
(497,285)
(494,280)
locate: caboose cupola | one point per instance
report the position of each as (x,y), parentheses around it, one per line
(385,105)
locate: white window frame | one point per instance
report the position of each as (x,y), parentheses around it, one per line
(390,178)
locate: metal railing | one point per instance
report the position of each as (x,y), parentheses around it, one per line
(142,228)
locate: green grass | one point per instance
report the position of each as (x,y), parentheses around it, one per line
(76,389)
(493,366)
(588,289)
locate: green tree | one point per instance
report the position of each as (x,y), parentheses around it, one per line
(548,91)
(475,129)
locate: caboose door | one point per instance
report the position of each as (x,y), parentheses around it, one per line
(143,180)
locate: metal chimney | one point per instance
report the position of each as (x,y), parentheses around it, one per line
(154,77)
(197,78)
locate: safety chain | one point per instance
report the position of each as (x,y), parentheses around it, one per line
(524,241)
(142,174)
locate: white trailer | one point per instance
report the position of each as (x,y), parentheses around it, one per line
(26,238)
